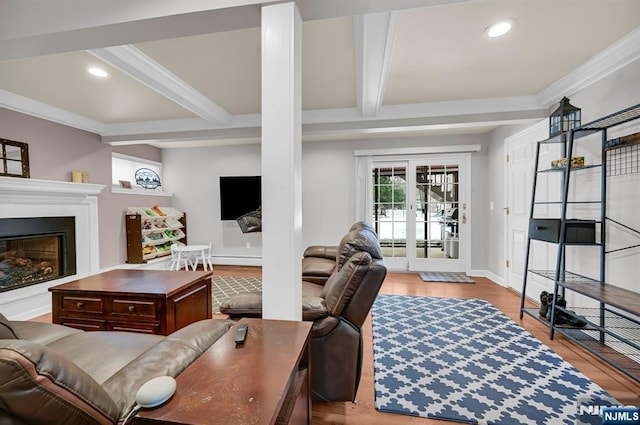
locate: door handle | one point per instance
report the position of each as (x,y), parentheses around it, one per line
(464,218)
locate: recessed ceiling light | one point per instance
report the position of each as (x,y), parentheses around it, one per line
(499,29)
(98,72)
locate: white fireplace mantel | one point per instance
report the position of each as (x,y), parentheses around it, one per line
(45,191)
(44,198)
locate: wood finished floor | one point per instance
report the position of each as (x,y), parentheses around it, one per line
(623,388)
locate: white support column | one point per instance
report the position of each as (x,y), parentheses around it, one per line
(281,157)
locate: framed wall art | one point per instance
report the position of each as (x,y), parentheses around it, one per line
(14,159)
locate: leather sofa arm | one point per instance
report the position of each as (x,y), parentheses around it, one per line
(39,384)
(169,357)
(7,331)
(321,251)
(313,308)
(250,305)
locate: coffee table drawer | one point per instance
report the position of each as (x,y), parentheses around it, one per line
(84,324)
(146,328)
(134,308)
(82,304)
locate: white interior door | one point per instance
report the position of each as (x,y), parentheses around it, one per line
(519,184)
(420,210)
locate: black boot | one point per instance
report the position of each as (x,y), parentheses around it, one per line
(576,321)
(560,302)
(544,305)
(550,305)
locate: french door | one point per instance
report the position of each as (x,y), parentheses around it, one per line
(420,210)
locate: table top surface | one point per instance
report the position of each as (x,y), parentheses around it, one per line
(186,248)
(238,384)
(134,281)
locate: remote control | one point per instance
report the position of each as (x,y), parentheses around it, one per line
(241,334)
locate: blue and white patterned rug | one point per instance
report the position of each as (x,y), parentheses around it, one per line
(464,360)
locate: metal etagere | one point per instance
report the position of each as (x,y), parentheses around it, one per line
(612,331)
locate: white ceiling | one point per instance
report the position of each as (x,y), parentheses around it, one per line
(184,74)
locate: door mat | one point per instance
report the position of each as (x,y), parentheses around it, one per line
(224,287)
(451,277)
(464,360)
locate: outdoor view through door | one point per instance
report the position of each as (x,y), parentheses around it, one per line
(417,213)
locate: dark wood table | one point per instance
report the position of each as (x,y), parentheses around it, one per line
(264,381)
(147,301)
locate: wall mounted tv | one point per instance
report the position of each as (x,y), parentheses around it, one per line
(239,195)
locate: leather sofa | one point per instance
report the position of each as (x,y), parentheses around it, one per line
(338,310)
(319,261)
(56,374)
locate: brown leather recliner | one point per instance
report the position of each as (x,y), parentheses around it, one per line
(338,310)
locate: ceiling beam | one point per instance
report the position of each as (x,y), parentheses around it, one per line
(43,27)
(398,118)
(326,9)
(28,30)
(142,68)
(373,42)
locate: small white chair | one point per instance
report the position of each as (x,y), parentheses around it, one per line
(178,261)
(208,259)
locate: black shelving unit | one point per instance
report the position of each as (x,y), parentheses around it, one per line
(613,328)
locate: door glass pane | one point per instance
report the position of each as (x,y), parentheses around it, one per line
(389,212)
(437,211)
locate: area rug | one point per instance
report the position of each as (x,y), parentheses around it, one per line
(464,360)
(224,287)
(451,277)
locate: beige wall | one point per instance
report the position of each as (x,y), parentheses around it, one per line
(55,150)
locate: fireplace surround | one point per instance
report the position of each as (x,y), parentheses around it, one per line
(31,198)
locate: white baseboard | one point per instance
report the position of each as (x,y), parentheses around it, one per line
(489,275)
(237,260)
(227,260)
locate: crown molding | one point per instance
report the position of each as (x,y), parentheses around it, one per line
(543,123)
(142,68)
(32,107)
(615,57)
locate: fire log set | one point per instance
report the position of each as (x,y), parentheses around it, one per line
(16,269)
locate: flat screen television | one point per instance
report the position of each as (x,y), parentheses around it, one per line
(239,195)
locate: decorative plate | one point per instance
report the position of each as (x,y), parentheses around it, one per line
(147,178)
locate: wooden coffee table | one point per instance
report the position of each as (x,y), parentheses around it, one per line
(264,381)
(147,301)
